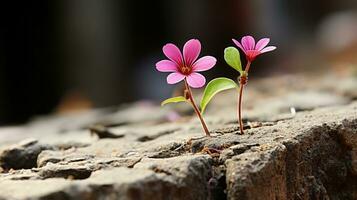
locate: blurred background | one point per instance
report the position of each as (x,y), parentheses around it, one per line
(62,56)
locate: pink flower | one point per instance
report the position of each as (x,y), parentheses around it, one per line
(252,50)
(185,66)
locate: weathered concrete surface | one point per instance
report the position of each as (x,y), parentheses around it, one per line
(144,182)
(309,157)
(131,154)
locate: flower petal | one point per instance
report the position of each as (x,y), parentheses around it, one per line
(267,49)
(248,42)
(166,66)
(204,63)
(262,43)
(175,78)
(173,53)
(196,80)
(238,44)
(191,50)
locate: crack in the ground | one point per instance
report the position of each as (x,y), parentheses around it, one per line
(146,138)
(67,173)
(247,125)
(103,132)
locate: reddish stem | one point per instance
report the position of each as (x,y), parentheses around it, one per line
(197,111)
(247,67)
(242,82)
(240,120)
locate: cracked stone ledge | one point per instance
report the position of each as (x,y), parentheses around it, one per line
(308,155)
(311,156)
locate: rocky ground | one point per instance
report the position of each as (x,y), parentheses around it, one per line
(300,143)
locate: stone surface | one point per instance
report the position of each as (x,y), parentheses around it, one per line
(300,143)
(23,155)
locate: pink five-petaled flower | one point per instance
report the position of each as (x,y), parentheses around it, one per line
(186,65)
(252,50)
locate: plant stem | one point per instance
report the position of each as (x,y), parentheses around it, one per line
(247,67)
(242,82)
(197,111)
(240,120)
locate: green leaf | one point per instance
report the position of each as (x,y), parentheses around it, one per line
(174,100)
(213,87)
(232,57)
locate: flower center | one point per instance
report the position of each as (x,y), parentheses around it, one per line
(251,54)
(185,70)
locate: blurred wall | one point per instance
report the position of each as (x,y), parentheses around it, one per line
(58,56)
